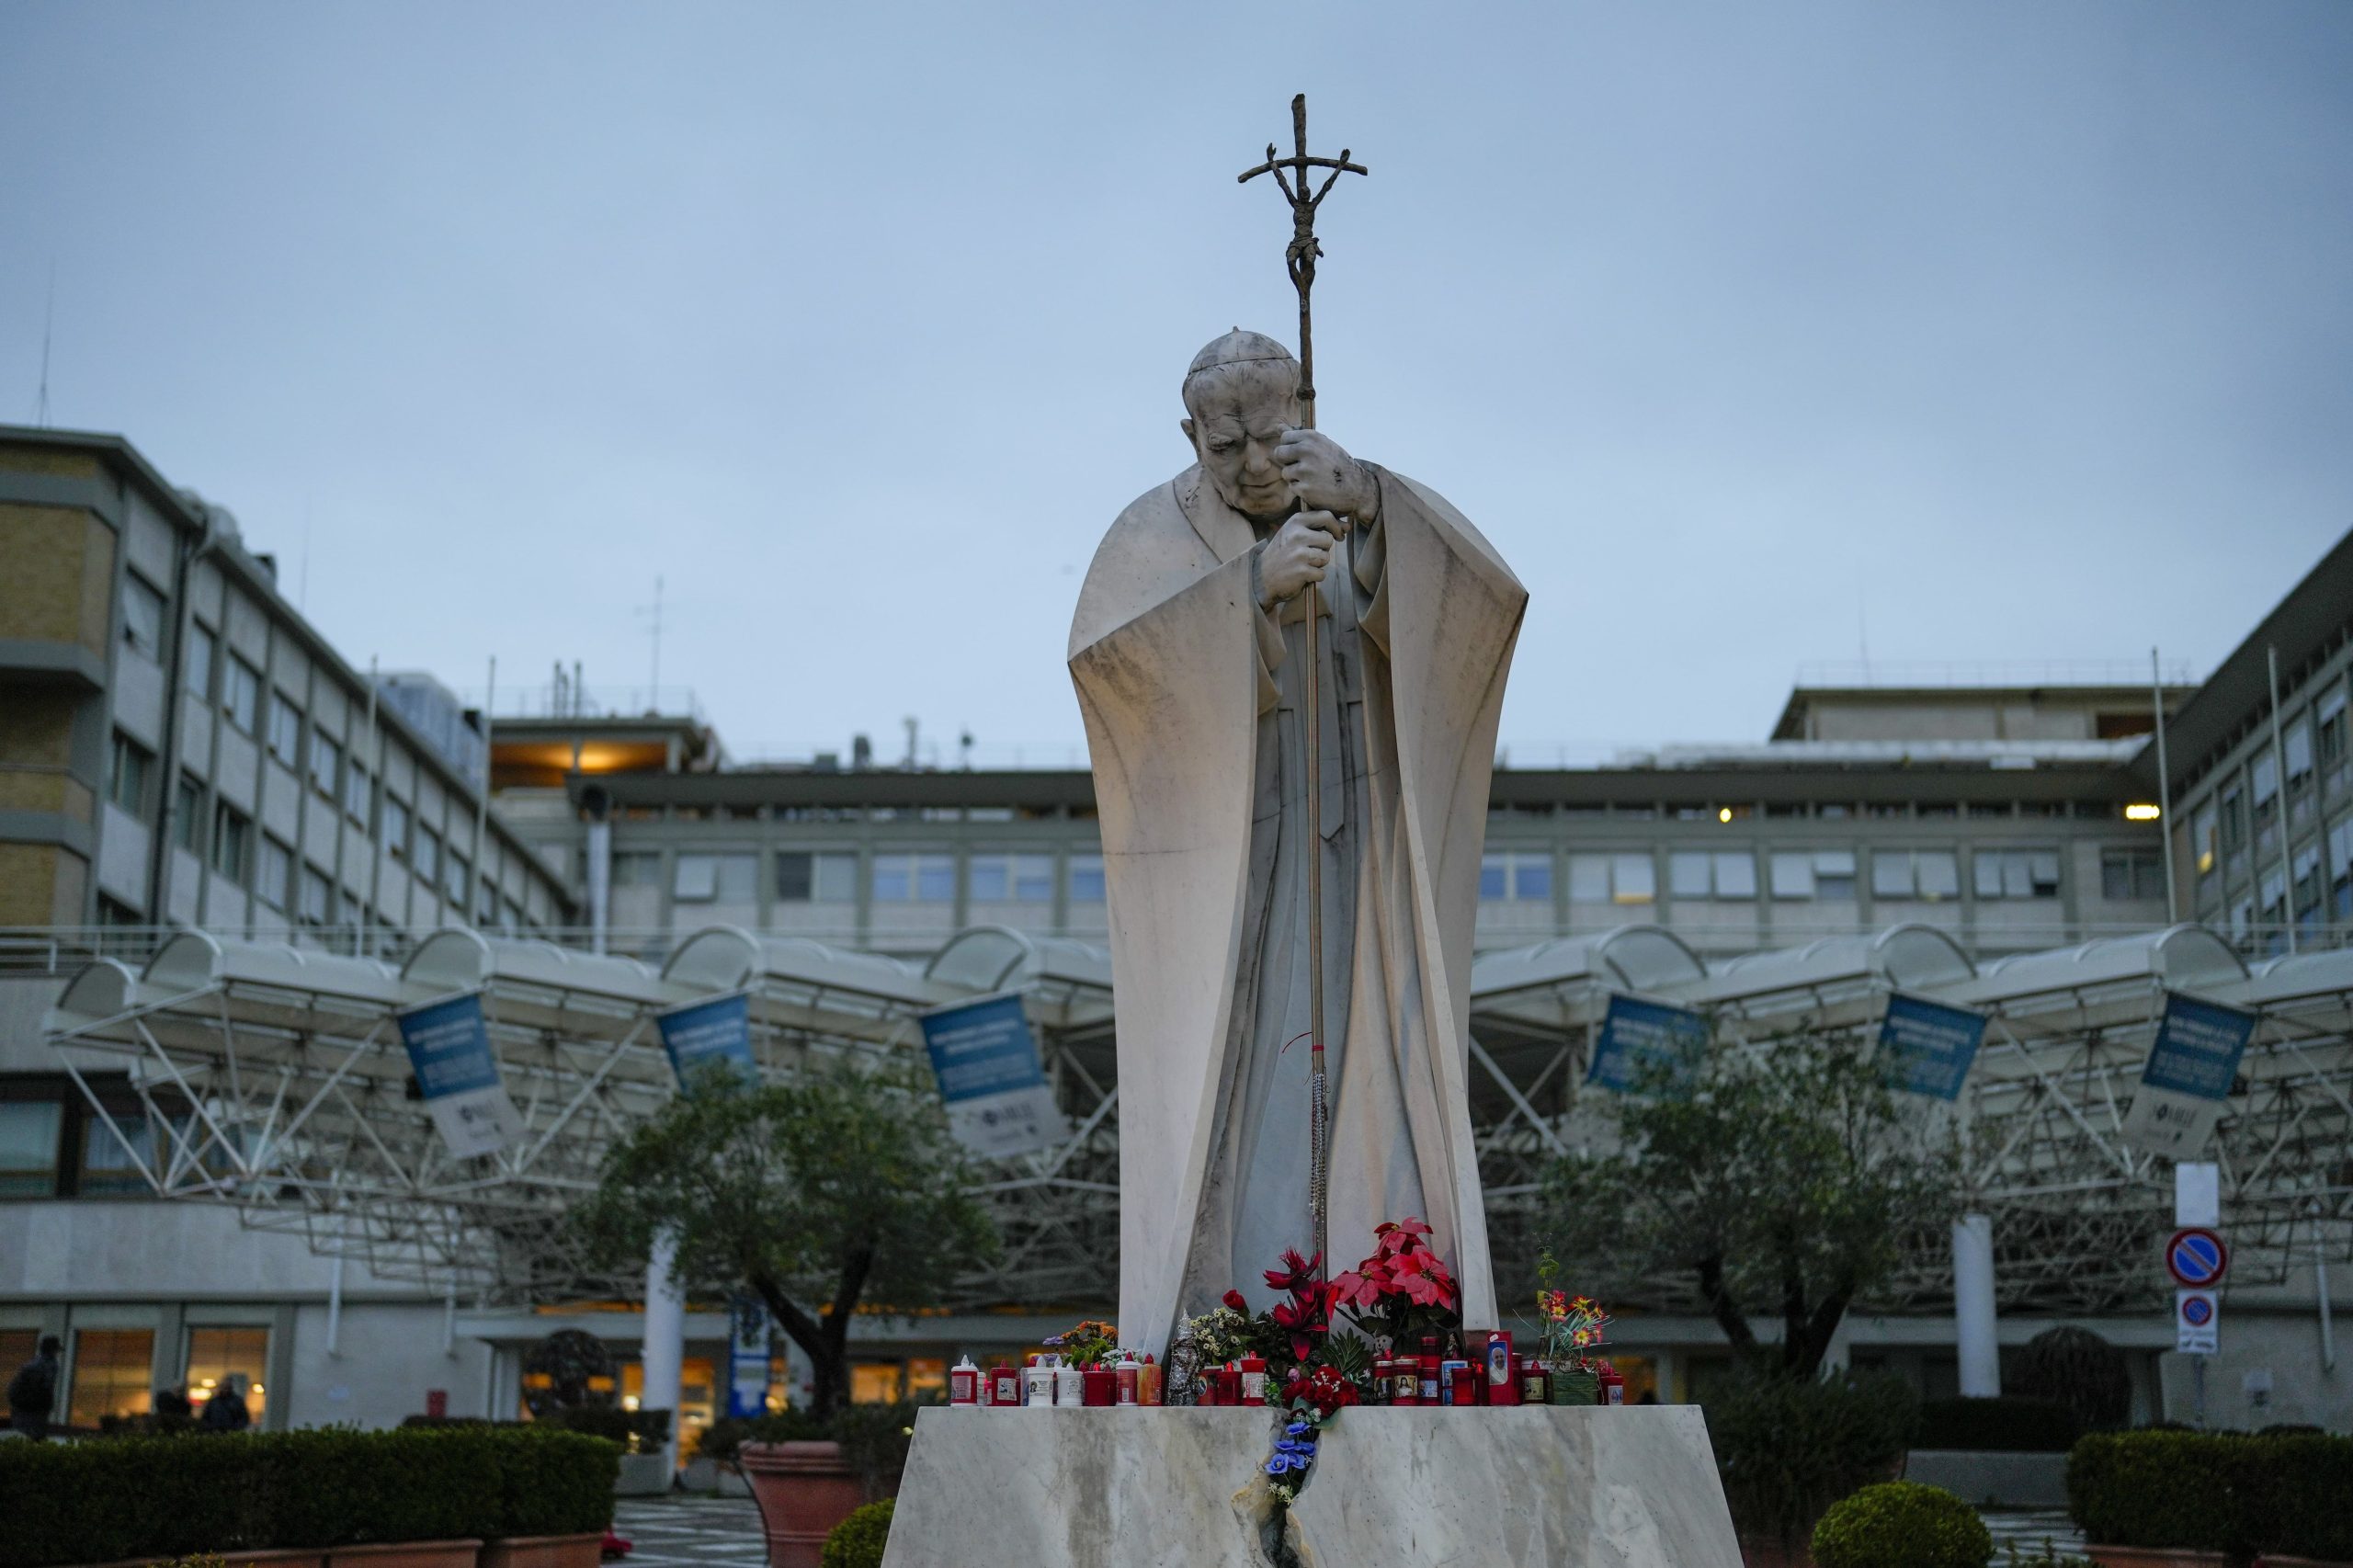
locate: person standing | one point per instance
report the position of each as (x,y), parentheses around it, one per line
(226,1410)
(32,1392)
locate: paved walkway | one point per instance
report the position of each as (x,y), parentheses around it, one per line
(690,1531)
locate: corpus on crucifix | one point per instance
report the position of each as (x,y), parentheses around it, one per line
(1290,661)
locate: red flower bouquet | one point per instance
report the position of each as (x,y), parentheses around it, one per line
(1402,1289)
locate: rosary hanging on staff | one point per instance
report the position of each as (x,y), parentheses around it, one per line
(1299,258)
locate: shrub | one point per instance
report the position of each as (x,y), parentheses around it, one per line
(2001,1426)
(2289,1494)
(874,1439)
(858,1541)
(2079,1370)
(1788,1447)
(1902,1523)
(150,1497)
(2049,1557)
(637,1431)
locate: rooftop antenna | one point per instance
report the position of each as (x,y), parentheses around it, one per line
(48,321)
(910,723)
(653,694)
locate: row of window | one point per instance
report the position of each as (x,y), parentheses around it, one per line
(2245,805)
(832,877)
(1928,876)
(111,1372)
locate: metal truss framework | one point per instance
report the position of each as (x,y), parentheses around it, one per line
(272,1077)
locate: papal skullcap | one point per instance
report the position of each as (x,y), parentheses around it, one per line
(1239,347)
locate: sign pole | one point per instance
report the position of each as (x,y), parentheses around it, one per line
(1299,259)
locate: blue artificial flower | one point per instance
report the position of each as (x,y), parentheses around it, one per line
(1279,1464)
(1299,1428)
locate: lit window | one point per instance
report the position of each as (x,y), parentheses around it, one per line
(1086,878)
(142,618)
(113,1372)
(214,1353)
(2201,839)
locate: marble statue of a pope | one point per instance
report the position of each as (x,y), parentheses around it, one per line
(1188,652)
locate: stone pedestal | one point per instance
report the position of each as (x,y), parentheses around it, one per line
(1146,1488)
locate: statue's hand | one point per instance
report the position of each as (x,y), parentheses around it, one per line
(1324,477)
(1298,554)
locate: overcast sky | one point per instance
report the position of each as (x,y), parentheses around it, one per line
(1752,335)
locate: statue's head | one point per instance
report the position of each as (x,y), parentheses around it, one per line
(1241,395)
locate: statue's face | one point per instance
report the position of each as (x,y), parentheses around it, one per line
(1237,420)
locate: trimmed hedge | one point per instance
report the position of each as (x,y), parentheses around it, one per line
(98,1502)
(2291,1494)
(1788,1447)
(1998,1425)
(1902,1523)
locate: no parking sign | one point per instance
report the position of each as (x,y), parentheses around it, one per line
(2197,1258)
(2197,1322)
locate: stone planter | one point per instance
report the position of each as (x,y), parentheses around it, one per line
(642,1475)
(406,1554)
(2154,1557)
(803,1491)
(545,1551)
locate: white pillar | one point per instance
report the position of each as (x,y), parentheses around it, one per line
(1973,1306)
(600,883)
(664,1352)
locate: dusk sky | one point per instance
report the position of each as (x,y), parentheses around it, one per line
(1751,336)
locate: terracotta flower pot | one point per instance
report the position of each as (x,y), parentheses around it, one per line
(545,1551)
(803,1491)
(407,1554)
(1769,1554)
(2154,1557)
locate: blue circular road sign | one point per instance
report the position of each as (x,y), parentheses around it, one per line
(2197,1310)
(2196,1257)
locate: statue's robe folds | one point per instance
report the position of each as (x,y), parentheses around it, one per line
(1194,701)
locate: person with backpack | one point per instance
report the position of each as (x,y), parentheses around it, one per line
(32,1392)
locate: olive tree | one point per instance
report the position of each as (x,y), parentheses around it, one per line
(1780,1180)
(840,1186)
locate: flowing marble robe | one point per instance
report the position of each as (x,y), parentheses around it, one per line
(1192,697)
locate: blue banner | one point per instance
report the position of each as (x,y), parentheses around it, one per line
(2198,1048)
(449,1048)
(457,1075)
(1927,1046)
(1635,1035)
(717,1030)
(982,1048)
(748,1356)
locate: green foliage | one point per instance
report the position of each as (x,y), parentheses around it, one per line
(1902,1523)
(166,1496)
(637,1431)
(1787,1177)
(858,1541)
(2082,1371)
(842,1186)
(2000,1426)
(2229,1492)
(196,1560)
(723,1437)
(1788,1447)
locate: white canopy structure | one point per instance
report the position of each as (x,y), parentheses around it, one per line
(274,1077)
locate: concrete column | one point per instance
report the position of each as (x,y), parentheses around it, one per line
(664,1352)
(1974,1320)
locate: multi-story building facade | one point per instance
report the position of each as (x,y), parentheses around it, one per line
(179,747)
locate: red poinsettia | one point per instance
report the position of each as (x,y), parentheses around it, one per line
(1307,1316)
(1402,1275)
